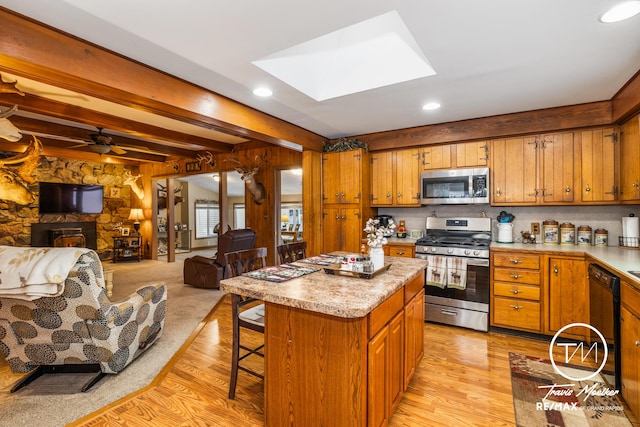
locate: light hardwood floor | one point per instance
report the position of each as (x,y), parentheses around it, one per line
(463,380)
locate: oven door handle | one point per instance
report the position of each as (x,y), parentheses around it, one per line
(478,262)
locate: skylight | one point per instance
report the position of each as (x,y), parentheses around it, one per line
(371,54)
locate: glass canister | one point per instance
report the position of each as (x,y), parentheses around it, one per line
(584,235)
(601,237)
(567,234)
(550,232)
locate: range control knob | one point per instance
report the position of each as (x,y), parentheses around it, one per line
(433,250)
(450,250)
(467,251)
(476,252)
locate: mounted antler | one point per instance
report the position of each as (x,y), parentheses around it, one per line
(9,87)
(207,157)
(132,181)
(256,189)
(7,130)
(14,180)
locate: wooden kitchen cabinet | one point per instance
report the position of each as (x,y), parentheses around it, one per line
(346,207)
(598,165)
(435,157)
(630,160)
(395,179)
(630,346)
(568,294)
(400,249)
(533,170)
(516,296)
(343,176)
(342,229)
(472,154)
(414,338)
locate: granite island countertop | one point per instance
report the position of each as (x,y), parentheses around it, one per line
(619,260)
(336,295)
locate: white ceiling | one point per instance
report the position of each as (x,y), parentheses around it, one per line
(491,57)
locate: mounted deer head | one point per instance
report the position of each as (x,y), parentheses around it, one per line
(14,180)
(162,200)
(7,130)
(132,181)
(256,189)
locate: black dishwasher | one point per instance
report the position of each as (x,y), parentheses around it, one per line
(604,297)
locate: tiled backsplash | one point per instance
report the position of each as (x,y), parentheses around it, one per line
(607,217)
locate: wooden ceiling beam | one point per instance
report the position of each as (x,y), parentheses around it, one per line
(73,113)
(39,52)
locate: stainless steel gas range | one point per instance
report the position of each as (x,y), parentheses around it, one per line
(457,289)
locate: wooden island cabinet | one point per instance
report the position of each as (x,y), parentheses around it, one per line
(339,350)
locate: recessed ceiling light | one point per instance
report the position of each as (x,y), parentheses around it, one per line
(262,91)
(431,106)
(621,12)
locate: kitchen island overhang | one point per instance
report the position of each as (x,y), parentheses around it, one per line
(339,350)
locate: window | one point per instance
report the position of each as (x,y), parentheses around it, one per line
(207,217)
(238,215)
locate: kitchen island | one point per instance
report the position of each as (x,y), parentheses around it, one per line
(339,350)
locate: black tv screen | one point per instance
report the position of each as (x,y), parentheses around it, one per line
(58,198)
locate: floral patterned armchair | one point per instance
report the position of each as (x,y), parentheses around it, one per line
(80,330)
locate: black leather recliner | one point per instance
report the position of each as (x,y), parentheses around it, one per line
(203,272)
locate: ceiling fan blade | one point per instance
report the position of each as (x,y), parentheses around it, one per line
(117,149)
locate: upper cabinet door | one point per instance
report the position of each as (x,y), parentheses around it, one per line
(514,171)
(472,154)
(435,157)
(382,175)
(407,177)
(557,168)
(630,160)
(598,166)
(342,176)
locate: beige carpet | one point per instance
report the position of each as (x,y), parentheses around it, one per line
(186,307)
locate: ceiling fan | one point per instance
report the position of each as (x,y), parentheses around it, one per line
(102,144)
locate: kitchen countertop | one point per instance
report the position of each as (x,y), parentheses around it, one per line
(618,260)
(342,296)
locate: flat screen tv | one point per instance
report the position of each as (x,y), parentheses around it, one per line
(58,198)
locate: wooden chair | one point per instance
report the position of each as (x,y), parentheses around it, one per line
(290,252)
(251,317)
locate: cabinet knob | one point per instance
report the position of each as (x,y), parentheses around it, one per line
(399,194)
(555,270)
(400,253)
(637,342)
(498,192)
(515,291)
(515,276)
(567,190)
(388,194)
(515,261)
(588,189)
(516,307)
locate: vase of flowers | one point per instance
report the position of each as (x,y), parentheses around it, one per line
(376,239)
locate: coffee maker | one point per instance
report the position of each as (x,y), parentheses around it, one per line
(384,222)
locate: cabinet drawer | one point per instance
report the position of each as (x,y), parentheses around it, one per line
(381,315)
(531,262)
(401,251)
(630,297)
(415,286)
(513,275)
(516,290)
(515,313)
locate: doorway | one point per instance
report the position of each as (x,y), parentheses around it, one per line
(289,209)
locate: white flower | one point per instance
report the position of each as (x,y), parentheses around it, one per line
(375,233)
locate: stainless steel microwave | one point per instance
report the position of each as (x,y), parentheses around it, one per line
(455,186)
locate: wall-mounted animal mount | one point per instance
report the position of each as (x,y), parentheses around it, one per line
(162,196)
(256,189)
(207,157)
(132,181)
(18,172)
(7,130)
